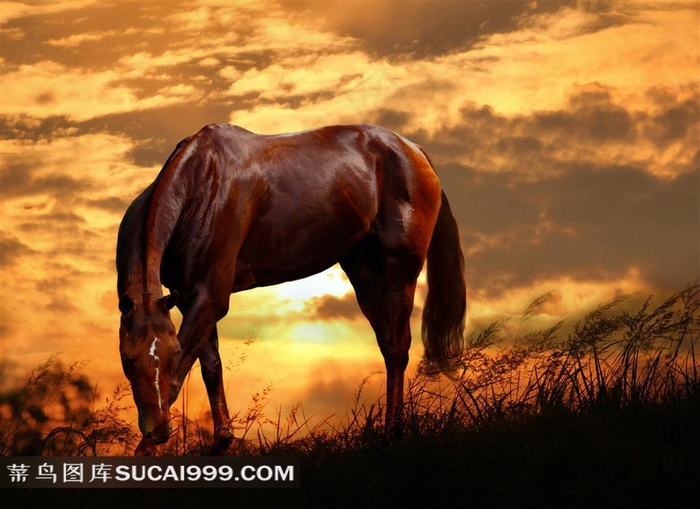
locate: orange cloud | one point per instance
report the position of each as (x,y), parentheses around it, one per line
(13,10)
(49,89)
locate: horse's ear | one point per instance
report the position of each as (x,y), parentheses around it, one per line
(168,302)
(126,305)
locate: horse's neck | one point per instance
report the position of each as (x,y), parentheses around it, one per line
(159,226)
(153,222)
(143,244)
(168,198)
(139,275)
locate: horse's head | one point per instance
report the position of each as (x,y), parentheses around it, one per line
(149,347)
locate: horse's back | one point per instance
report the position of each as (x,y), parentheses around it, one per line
(327,189)
(246,146)
(363,162)
(312,196)
(290,205)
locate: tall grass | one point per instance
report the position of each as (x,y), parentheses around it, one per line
(615,361)
(54,412)
(612,360)
(601,413)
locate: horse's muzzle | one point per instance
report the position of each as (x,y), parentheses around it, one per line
(160,434)
(153,429)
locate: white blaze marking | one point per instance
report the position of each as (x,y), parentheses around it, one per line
(152,353)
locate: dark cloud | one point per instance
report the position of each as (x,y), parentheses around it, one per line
(12,250)
(110,204)
(421,29)
(25,127)
(606,14)
(598,123)
(332,380)
(392,119)
(158,131)
(108,30)
(331,307)
(573,192)
(103,37)
(102,17)
(672,123)
(550,141)
(19,179)
(586,223)
(154,132)
(70,234)
(321,395)
(61,276)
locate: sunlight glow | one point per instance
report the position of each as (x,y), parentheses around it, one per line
(332,281)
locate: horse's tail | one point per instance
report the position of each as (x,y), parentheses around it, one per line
(446,303)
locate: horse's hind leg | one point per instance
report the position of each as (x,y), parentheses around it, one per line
(385,285)
(212,373)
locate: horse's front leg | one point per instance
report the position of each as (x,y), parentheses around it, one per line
(146,447)
(212,374)
(199,318)
(199,340)
(184,365)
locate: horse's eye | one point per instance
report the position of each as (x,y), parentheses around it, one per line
(128,361)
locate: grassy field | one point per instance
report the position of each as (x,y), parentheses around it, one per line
(607,414)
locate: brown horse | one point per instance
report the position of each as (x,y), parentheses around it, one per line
(232,210)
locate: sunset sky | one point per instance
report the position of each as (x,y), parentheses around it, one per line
(566,136)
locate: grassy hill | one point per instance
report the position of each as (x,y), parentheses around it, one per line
(607,416)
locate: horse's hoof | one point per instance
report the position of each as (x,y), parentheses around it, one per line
(219,448)
(223,439)
(145,448)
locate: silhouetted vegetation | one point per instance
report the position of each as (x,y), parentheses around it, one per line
(608,414)
(53,413)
